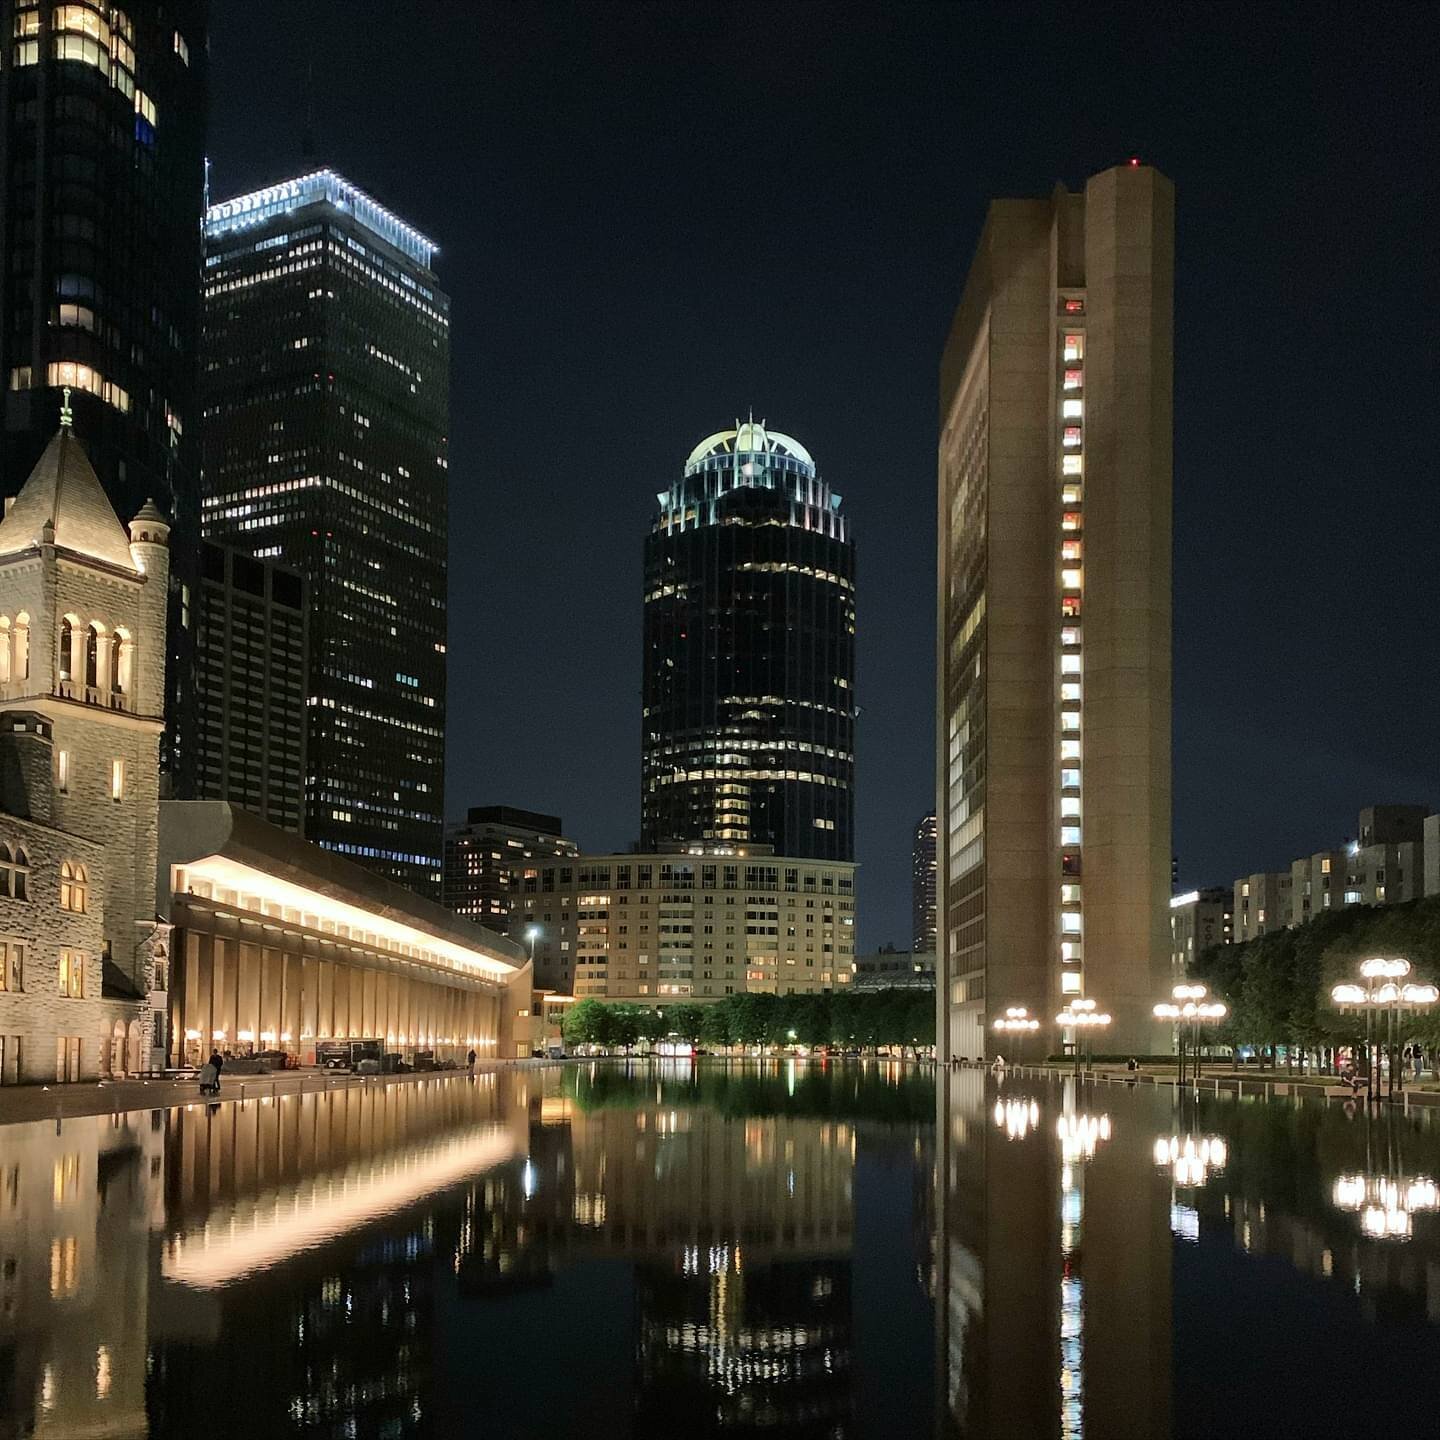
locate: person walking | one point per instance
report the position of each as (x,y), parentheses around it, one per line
(470,1063)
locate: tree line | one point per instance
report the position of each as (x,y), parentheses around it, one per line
(844,1019)
(1277,986)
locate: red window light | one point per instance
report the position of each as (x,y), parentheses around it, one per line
(1074,306)
(1070,607)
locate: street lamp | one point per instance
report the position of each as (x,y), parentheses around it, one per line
(532,934)
(1383,993)
(1080,1016)
(1017,1020)
(1189,1009)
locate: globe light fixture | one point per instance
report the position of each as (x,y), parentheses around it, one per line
(1188,1011)
(1382,998)
(1080,1017)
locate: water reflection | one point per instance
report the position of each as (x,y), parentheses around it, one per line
(661,1250)
(1250,1242)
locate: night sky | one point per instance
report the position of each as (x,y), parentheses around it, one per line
(654,218)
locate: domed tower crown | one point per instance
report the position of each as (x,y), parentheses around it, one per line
(149,527)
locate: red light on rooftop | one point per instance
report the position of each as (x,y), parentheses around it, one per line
(1134,161)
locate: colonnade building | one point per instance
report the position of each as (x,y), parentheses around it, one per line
(1053,721)
(696,922)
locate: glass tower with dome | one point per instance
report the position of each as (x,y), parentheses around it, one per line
(749,667)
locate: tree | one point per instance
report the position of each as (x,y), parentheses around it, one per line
(587,1022)
(716,1026)
(686,1021)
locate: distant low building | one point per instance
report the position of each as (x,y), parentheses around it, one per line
(1199,920)
(1261,903)
(692,922)
(484,854)
(888,969)
(1317,884)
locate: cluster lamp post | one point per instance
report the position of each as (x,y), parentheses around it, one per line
(1080,1017)
(1189,1010)
(1383,995)
(1017,1021)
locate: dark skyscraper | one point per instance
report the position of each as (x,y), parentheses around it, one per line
(484,856)
(102,144)
(325,385)
(922,886)
(749,683)
(250,684)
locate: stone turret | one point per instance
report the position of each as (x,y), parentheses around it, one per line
(150,550)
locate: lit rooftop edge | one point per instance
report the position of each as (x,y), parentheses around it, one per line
(259,206)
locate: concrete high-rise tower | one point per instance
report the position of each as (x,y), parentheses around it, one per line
(326,390)
(1053,765)
(749,674)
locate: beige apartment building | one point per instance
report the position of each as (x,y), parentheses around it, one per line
(1261,903)
(1199,919)
(695,922)
(1053,783)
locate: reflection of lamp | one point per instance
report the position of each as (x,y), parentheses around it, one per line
(1385,1206)
(1080,1135)
(1017,1118)
(1189,1160)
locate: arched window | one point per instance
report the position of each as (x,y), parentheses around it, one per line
(123,662)
(67,648)
(6,659)
(21,666)
(7,870)
(92,657)
(74,887)
(20,887)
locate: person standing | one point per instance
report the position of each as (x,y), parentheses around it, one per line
(470,1062)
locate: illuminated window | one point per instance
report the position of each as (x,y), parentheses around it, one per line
(62,771)
(1073,379)
(1071,494)
(1073,306)
(1069,834)
(1070,922)
(1070,579)
(1069,778)
(1069,982)
(1070,520)
(81,48)
(1072,437)
(1070,549)
(182,49)
(1070,663)
(1070,807)
(27,52)
(1069,749)
(1074,347)
(1072,465)
(72,974)
(74,887)
(1070,690)
(117,780)
(1070,951)
(1072,409)
(1070,635)
(12,966)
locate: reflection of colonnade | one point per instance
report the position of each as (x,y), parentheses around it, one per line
(1033,1337)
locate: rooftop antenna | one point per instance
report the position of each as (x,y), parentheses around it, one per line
(67,415)
(307,135)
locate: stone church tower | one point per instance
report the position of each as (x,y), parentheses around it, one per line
(82,644)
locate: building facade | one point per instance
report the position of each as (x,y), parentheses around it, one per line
(281,946)
(922,886)
(894,970)
(749,654)
(1261,903)
(82,689)
(325,390)
(102,145)
(250,642)
(696,923)
(1199,919)
(1053,782)
(484,855)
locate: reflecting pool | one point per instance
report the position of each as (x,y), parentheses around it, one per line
(793,1250)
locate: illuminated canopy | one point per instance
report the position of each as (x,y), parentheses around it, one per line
(749,438)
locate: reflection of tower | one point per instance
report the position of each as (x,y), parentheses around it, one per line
(730,1348)
(1020,1180)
